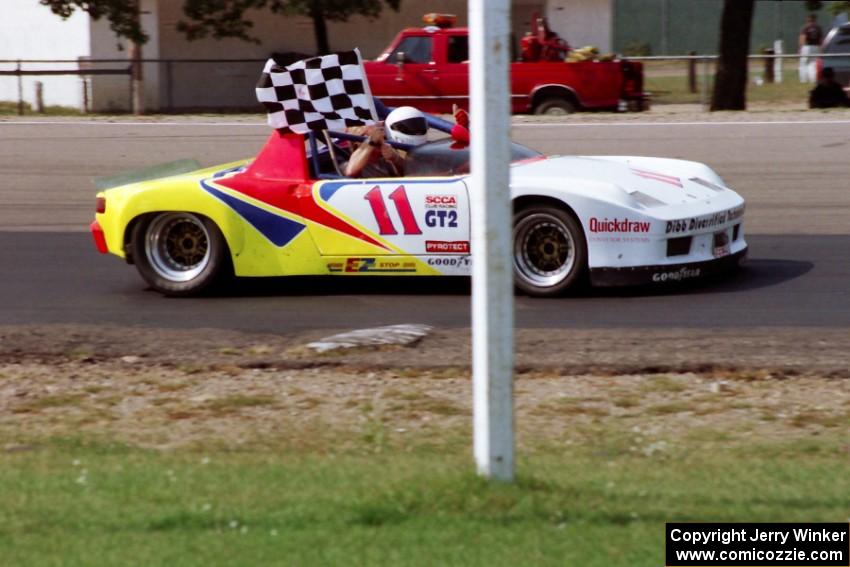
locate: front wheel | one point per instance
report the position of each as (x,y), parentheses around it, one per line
(550,254)
(179,253)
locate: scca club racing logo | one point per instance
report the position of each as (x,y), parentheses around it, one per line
(617,225)
(440,202)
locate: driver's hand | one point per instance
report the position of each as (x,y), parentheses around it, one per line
(358,130)
(388,152)
(376,135)
(460,115)
(460,131)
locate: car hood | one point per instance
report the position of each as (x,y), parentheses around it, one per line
(641,182)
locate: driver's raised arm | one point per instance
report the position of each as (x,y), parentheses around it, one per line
(460,130)
(373,149)
(405,125)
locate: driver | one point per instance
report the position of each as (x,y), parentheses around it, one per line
(376,158)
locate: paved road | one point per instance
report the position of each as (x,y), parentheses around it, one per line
(790,281)
(794,177)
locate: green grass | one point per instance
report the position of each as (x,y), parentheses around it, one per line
(237,402)
(57,401)
(668,408)
(674,90)
(668,83)
(663,384)
(598,503)
(8,108)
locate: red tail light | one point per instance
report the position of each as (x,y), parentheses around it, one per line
(632,79)
(100,206)
(99,237)
(819,67)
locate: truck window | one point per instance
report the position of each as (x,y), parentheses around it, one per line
(458,48)
(416,49)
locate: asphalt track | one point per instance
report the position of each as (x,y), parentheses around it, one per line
(794,176)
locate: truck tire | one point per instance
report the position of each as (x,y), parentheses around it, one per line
(555,107)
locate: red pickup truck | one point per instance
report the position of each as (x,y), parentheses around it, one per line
(429,68)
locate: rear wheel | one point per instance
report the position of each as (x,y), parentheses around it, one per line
(555,107)
(179,253)
(550,254)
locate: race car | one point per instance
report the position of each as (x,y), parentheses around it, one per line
(605,220)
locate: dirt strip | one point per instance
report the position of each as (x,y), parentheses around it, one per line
(645,391)
(788,351)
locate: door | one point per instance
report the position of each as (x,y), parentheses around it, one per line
(453,79)
(395,217)
(408,76)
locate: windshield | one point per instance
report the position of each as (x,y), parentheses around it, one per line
(839,42)
(445,158)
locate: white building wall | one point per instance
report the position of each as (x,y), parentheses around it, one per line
(29,30)
(277,33)
(582,22)
(112,92)
(208,85)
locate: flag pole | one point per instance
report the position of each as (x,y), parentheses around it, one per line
(366,87)
(492,267)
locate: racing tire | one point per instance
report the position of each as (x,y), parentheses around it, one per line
(555,107)
(179,254)
(549,251)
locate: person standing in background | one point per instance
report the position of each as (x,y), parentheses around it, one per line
(811,36)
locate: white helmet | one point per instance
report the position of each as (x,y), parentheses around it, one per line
(407,125)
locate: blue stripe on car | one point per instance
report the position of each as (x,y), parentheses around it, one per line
(279,230)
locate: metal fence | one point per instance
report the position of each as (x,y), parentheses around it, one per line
(106,85)
(187,85)
(25,70)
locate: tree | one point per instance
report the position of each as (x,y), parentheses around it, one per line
(838,7)
(125,20)
(835,7)
(227,18)
(730,84)
(123,15)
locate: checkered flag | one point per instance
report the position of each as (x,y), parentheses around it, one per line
(322,93)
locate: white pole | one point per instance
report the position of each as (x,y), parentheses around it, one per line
(492,266)
(777,63)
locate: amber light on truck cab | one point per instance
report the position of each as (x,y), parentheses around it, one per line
(441,21)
